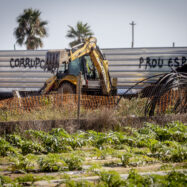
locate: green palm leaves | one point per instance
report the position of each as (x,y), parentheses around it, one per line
(30,29)
(79,33)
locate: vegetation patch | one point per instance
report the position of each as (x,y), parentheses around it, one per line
(86,153)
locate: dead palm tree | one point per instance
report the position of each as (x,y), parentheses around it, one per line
(79,33)
(30,29)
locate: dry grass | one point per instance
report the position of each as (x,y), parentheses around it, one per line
(131,107)
(100,117)
(47,112)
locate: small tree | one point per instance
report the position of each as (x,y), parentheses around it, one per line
(79,33)
(30,29)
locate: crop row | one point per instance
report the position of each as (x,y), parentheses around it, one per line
(58,150)
(106,179)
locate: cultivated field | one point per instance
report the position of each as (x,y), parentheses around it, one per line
(150,156)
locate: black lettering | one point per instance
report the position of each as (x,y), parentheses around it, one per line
(17,62)
(183,60)
(32,62)
(148,62)
(22,62)
(27,60)
(12,64)
(176,62)
(170,62)
(37,60)
(141,60)
(160,63)
(154,63)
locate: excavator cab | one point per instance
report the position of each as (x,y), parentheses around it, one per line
(67,65)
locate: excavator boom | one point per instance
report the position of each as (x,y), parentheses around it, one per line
(74,58)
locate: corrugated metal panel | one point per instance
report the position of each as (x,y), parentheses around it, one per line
(23,70)
(135,64)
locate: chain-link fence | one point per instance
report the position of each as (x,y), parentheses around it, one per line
(65,106)
(57,100)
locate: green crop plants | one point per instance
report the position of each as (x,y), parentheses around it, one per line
(171,154)
(23,164)
(27,178)
(129,140)
(134,179)
(141,160)
(110,179)
(171,179)
(51,163)
(57,150)
(15,140)
(113,179)
(95,167)
(75,140)
(5,181)
(31,147)
(72,183)
(25,145)
(60,132)
(7,149)
(125,158)
(103,153)
(51,143)
(74,162)
(140,151)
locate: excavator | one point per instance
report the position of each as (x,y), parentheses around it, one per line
(83,65)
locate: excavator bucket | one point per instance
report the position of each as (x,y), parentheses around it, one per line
(54,59)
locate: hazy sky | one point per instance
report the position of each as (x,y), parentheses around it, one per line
(159,23)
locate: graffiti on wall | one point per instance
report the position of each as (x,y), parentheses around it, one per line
(27,62)
(159,62)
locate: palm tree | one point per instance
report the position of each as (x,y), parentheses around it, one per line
(30,29)
(79,33)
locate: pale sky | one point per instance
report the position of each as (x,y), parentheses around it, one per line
(159,23)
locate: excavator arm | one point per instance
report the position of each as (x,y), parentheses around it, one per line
(54,58)
(98,60)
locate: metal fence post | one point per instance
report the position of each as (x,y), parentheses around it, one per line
(79,95)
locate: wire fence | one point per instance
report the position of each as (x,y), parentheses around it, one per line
(57,100)
(135,105)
